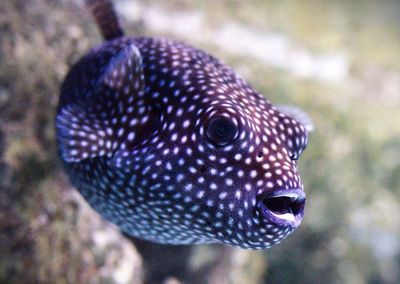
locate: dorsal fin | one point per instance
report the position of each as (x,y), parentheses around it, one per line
(106,18)
(100,114)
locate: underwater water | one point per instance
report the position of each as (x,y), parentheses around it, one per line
(339,61)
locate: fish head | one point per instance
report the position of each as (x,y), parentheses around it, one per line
(238,170)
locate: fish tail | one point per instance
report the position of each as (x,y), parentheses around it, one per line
(106,18)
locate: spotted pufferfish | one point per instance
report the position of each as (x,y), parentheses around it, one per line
(172,146)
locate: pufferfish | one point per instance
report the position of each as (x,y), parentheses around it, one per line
(172,146)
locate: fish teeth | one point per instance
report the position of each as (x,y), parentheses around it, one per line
(292,195)
(286,216)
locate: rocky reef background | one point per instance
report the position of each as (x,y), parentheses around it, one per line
(338,60)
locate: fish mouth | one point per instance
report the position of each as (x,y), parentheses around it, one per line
(284,207)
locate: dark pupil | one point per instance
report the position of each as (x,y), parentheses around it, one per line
(221,131)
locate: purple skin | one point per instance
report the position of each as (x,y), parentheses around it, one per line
(172,146)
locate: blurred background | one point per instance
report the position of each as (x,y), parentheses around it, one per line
(337,60)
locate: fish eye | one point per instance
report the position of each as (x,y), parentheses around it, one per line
(221,130)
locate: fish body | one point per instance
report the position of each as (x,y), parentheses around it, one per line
(171,145)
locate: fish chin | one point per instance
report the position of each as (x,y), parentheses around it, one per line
(283,208)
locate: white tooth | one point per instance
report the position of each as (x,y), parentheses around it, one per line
(290,195)
(286,216)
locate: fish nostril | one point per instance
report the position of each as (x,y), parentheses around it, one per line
(260,154)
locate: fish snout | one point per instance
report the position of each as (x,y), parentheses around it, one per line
(284,207)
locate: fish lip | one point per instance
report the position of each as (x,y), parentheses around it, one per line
(284,207)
